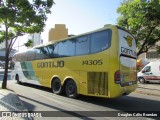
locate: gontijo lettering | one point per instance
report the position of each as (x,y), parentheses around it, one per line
(50,64)
(127,51)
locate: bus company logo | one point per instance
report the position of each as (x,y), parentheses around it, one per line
(129,40)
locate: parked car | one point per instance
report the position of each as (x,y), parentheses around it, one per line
(150,73)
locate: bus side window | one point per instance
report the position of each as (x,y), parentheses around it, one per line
(62,49)
(71,47)
(55,52)
(82,45)
(66,48)
(38,54)
(44,53)
(100,41)
(51,51)
(20,57)
(28,56)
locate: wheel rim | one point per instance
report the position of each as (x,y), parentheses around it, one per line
(141,80)
(71,89)
(56,86)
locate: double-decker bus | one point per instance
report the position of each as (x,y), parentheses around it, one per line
(99,63)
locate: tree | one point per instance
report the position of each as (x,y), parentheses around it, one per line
(142,19)
(18,17)
(29,43)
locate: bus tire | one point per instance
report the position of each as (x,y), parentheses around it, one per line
(17,79)
(142,80)
(71,89)
(56,86)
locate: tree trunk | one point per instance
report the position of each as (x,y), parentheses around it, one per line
(4,83)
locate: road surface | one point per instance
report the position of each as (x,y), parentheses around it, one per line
(37,98)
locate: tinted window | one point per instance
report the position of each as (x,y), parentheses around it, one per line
(44,52)
(23,57)
(38,54)
(31,55)
(62,50)
(87,44)
(147,69)
(19,57)
(56,46)
(51,50)
(71,47)
(82,45)
(100,41)
(66,48)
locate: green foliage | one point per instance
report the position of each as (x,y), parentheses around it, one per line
(18,17)
(29,43)
(142,19)
(25,17)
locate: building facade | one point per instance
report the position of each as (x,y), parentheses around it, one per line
(59,32)
(36,38)
(3,51)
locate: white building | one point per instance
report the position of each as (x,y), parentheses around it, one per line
(36,37)
(3,51)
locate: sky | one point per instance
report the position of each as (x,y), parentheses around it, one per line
(80,16)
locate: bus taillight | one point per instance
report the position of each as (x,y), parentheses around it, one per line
(117,77)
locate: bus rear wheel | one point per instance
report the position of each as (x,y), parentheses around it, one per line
(56,86)
(71,89)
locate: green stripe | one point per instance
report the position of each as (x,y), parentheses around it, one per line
(28,71)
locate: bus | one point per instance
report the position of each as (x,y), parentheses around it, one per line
(100,63)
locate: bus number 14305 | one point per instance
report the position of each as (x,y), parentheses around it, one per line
(92,62)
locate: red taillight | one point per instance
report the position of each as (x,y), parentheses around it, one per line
(117,77)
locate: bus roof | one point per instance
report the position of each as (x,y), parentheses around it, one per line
(51,42)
